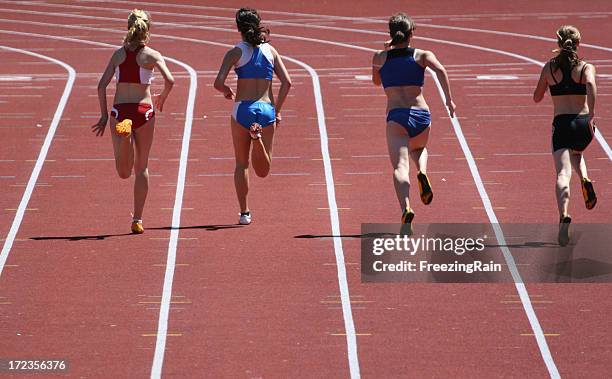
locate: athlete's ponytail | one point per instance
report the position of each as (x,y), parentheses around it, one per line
(139,22)
(247,21)
(568,38)
(401,27)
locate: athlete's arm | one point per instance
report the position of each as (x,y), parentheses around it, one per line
(283,75)
(589,73)
(105,80)
(540,90)
(430,61)
(375,67)
(230,59)
(160,99)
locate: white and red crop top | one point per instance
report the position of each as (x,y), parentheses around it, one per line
(130,72)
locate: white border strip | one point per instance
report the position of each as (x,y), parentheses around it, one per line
(499,235)
(10,238)
(164,310)
(349,324)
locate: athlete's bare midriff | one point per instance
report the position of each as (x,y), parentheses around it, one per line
(570,104)
(405,97)
(254,90)
(134,93)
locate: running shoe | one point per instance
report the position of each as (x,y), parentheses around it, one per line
(255,131)
(124,128)
(564,230)
(588,193)
(425,188)
(407,217)
(245,218)
(137,227)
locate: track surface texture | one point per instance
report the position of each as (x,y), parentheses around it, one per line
(198,295)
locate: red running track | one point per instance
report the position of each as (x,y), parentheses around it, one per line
(264,300)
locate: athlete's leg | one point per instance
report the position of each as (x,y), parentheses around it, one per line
(242,145)
(261,156)
(577,160)
(143,139)
(418,150)
(397,144)
(564,174)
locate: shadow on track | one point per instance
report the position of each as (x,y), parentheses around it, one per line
(100,237)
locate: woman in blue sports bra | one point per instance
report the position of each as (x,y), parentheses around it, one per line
(401,71)
(256,114)
(573,91)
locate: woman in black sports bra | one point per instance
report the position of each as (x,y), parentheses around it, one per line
(573,91)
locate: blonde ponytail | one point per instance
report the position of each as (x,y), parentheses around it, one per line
(138,28)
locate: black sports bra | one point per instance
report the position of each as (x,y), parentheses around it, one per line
(567,85)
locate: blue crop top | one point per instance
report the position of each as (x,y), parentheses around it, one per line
(400,69)
(255,62)
(567,85)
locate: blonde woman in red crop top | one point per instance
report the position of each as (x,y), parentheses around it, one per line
(133,116)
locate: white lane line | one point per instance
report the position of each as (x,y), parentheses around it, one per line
(364,173)
(162,327)
(15,78)
(499,235)
(497,77)
(57,116)
(162,330)
(349,324)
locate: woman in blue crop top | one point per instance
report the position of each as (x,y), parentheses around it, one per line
(256,114)
(401,71)
(571,82)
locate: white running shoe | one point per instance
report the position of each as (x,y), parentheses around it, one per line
(245,218)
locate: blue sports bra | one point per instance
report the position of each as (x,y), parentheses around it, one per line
(400,69)
(255,62)
(567,85)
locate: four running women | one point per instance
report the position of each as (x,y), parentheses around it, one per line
(256,114)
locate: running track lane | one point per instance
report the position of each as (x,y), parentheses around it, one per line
(25,132)
(53,269)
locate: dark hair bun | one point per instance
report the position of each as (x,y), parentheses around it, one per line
(248,21)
